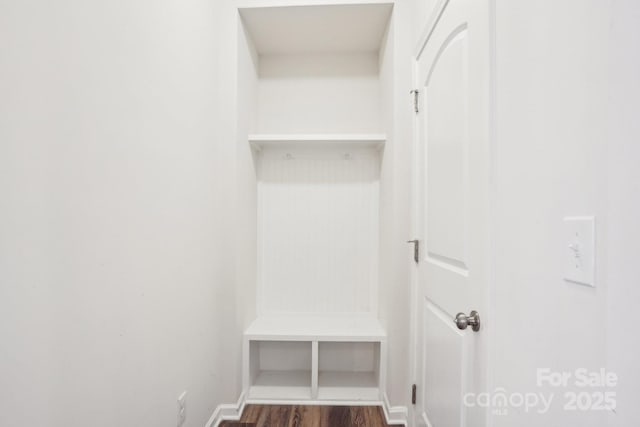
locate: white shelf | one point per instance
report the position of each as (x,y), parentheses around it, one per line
(303,29)
(335,385)
(364,140)
(303,328)
(281,385)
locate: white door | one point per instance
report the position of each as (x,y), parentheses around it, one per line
(451,209)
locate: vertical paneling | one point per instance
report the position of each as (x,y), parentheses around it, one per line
(318,237)
(319,93)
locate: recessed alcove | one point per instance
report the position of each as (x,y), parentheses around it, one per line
(311,108)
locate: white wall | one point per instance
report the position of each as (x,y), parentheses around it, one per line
(395,254)
(550,161)
(623,209)
(244,79)
(115,262)
(567,143)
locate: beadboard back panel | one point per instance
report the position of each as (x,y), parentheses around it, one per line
(318,229)
(319,93)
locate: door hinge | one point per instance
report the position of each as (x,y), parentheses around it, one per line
(416,249)
(413,394)
(416,94)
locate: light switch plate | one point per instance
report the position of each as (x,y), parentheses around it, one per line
(579,250)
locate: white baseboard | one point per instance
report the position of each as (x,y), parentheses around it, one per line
(227,412)
(394,414)
(233,411)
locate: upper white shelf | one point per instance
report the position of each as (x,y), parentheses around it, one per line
(305,29)
(374,140)
(322,328)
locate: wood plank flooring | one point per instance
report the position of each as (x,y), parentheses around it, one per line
(309,416)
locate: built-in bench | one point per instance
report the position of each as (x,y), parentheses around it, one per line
(303,358)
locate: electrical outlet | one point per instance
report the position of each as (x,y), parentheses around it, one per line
(182,408)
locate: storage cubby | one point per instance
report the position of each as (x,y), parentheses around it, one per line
(280,369)
(314,358)
(349,369)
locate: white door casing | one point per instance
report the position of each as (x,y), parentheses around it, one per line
(451,213)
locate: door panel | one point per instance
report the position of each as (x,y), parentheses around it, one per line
(445,96)
(445,350)
(452,181)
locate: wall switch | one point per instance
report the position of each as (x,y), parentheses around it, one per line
(579,250)
(182,408)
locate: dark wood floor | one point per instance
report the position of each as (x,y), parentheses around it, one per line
(309,416)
